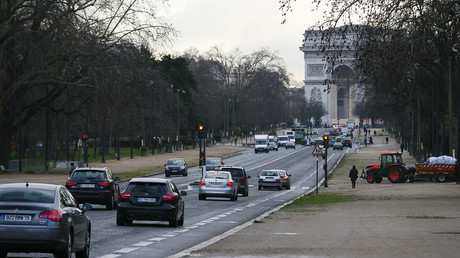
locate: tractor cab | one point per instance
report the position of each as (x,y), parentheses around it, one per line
(390,158)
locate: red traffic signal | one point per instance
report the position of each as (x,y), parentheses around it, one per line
(84,138)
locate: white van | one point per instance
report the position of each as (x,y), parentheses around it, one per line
(282,140)
(272,142)
(261,143)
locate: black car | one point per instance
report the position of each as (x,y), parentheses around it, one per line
(346,143)
(176,166)
(42,218)
(241,177)
(94,185)
(151,199)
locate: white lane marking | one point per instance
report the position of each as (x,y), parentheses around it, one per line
(291,234)
(168,235)
(110,256)
(157,239)
(143,244)
(126,250)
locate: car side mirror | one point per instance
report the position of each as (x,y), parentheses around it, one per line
(289,175)
(86,207)
(249,176)
(184,193)
(117,179)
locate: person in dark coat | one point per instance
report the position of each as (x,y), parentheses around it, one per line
(353,176)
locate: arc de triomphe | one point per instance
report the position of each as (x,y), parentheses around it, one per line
(340,101)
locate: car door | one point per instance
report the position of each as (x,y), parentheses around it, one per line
(74,216)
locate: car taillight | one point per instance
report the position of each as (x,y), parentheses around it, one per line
(202,182)
(70,183)
(285,178)
(229,183)
(53,215)
(104,183)
(278,180)
(260,180)
(168,197)
(125,195)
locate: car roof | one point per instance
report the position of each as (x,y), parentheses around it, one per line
(93,169)
(30,185)
(176,159)
(148,180)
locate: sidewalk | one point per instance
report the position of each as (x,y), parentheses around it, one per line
(420,219)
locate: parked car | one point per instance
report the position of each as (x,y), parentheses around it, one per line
(176,166)
(42,218)
(347,142)
(153,199)
(337,145)
(218,184)
(270,178)
(214,163)
(285,179)
(94,185)
(241,177)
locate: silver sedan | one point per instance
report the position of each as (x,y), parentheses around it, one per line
(218,184)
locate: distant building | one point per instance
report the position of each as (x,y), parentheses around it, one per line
(340,101)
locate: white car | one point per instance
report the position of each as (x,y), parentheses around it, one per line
(282,139)
(290,144)
(270,178)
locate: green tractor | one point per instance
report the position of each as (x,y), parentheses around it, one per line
(391,166)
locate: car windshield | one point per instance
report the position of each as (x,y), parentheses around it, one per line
(89,174)
(236,172)
(269,173)
(175,162)
(213,162)
(282,138)
(261,142)
(282,173)
(217,175)
(144,187)
(26,195)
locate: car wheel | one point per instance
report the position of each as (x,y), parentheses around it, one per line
(167,175)
(3,253)
(260,187)
(181,220)
(246,192)
(109,205)
(201,197)
(288,187)
(120,221)
(173,222)
(185,173)
(67,252)
(280,188)
(85,252)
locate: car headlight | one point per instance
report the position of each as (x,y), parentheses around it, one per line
(182,167)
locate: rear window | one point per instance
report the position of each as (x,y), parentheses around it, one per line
(26,195)
(89,174)
(234,171)
(213,162)
(150,188)
(269,173)
(217,175)
(282,138)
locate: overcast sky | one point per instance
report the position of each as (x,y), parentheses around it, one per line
(248,25)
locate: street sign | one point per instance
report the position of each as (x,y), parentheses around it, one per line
(317,150)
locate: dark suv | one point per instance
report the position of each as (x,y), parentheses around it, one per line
(176,166)
(94,185)
(241,177)
(151,199)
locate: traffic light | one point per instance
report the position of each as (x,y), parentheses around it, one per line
(201,133)
(326,141)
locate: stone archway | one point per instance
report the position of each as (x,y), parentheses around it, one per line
(344,79)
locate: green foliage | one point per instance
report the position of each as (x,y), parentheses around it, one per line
(314,202)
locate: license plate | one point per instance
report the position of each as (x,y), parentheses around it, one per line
(269,178)
(144,199)
(174,170)
(10,217)
(87,185)
(215,183)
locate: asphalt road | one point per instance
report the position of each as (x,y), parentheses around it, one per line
(207,219)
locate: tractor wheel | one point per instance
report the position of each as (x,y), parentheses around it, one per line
(378,180)
(396,175)
(370,178)
(440,177)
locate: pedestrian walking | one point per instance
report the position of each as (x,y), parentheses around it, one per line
(386,139)
(402,148)
(353,176)
(72,168)
(457,171)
